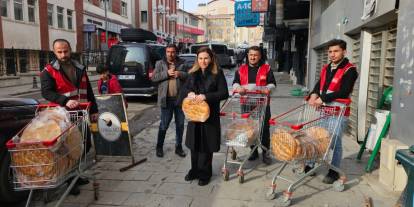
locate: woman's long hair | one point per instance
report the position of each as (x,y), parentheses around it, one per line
(213,64)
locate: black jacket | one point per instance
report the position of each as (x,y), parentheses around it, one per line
(347,83)
(205,137)
(48,86)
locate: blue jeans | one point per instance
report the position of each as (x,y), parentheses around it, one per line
(166,116)
(336,144)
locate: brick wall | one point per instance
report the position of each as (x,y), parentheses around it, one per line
(137,14)
(150,15)
(44,27)
(116,6)
(79,25)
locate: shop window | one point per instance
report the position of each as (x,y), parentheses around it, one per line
(23,61)
(10,62)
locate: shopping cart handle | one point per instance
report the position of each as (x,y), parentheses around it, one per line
(82,106)
(296,127)
(345,101)
(272,122)
(245,115)
(265,92)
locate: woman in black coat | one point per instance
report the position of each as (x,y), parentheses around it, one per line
(206,82)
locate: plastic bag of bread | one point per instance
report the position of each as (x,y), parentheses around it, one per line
(42,152)
(241,132)
(196,112)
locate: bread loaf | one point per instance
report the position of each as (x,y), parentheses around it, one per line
(241,132)
(196,112)
(37,164)
(303,145)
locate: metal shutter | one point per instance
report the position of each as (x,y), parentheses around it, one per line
(322,54)
(374,77)
(353,118)
(390,57)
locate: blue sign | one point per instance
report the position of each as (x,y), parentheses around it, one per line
(244,15)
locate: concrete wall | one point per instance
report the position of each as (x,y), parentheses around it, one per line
(89,7)
(403,99)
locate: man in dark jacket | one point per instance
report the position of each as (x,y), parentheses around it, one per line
(170,75)
(64,81)
(253,75)
(336,81)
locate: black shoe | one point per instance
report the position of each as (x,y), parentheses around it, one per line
(190,177)
(254,155)
(159,152)
(266,158)
(203,182)
(331,177)
(75,190)
(82,181)
(309,168)
(179,151)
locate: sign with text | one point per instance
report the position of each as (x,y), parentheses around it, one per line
(244,15)
(111,131)
(260,5)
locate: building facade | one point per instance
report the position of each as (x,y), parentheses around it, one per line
(188,28)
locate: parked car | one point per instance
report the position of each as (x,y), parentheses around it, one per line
(15,114)
(231,53)
(189,59)
(219,49)
(133,62)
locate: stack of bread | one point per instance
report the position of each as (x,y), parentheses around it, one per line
(241,132)
(38,163)
(308,144)
(194,111)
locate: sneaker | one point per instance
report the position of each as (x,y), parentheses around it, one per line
(331,177)
(159,152)
(266,158)
(254,155)
(179,151)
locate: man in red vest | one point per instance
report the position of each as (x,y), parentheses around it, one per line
(64,81)
(254,75)
(336,81)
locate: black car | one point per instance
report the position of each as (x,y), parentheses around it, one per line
(15,114)
(189,59)
(133,63)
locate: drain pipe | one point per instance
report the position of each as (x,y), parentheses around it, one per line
(308,62)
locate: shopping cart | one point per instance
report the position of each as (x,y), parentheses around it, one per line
(306,135)
(242,118)
(61,158)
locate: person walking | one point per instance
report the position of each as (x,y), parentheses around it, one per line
(206,82)
(64,81)
(336,81)
(256,74)
(170,75)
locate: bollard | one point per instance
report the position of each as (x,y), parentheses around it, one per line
(34,82)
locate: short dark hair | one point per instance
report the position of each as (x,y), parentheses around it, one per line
(101,68)
(337,42)
(172,46)
(255,48)
(61,41)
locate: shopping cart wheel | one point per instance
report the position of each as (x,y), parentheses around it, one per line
(271,194)
(241,179)
(284,201)
(338,186)
(233,154)
(225,175)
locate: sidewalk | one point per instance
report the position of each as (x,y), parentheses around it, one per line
(160,181)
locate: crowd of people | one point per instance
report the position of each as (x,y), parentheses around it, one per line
(65,82)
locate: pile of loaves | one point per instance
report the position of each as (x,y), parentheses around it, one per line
(308,144)
(37,163)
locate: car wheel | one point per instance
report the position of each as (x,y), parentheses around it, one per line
(7,194)
(137,35)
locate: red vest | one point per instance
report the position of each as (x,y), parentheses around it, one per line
(261,77)
(335,84)
(66,88)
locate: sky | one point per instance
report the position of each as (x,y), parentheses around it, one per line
(191,5)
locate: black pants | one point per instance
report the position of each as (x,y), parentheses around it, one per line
(201,165)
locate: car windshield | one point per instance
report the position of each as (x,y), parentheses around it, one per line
(128,56)
(189,60)
(194,48)
(219,49)
(158,50)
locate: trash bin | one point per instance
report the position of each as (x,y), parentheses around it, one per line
(406,158)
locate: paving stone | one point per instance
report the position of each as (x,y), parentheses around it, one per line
(112,198)
(127,175)
(168,177)
(128,186)
(184,189)
(217,202)
(152,200)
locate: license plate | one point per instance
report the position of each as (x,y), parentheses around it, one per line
(126,77)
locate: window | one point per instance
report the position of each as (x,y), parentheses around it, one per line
(18,10)
(144,16)
(50,14)
(124,9)
(60,17)
(69,12)
(4,8)
(31,4)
